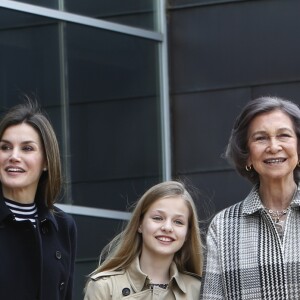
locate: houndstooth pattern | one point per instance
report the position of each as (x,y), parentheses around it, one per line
(245,258)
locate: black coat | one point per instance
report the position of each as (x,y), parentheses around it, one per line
(37,263)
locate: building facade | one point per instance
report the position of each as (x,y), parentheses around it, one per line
(141,91)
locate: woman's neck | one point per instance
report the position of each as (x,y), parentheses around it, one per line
(157,269)
(20,196)
(277,196)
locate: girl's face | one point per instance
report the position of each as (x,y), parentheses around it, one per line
(272,143)
(164,227)
(21,162)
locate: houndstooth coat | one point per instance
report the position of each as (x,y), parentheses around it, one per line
(246,258)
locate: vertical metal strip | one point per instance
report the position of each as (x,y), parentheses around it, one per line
(164,92)
(64,96)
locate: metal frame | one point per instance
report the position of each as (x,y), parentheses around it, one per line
(94,212)
(164,93)
(79,19)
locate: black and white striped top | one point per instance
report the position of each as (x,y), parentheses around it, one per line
(22,211)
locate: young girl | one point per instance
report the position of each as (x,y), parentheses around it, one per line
(158,255)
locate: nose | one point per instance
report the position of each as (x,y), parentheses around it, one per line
(274,145)
(167,226)
(14,155)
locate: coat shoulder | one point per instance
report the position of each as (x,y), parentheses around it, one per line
(106,274)
(105,284)
(64,220)
(59,214)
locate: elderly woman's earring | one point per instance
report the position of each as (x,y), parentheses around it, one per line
(248,168)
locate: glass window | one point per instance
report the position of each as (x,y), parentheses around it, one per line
(114,117)
(30,61)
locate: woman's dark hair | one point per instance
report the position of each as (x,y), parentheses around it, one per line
(29,112)
(237,151)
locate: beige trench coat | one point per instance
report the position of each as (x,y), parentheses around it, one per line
(131,284)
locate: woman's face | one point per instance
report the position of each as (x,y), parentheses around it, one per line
(273,146)
(164,227)
(21,162)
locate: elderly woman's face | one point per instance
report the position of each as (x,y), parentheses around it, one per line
(272,143)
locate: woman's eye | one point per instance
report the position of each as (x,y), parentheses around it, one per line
(27,148)
(178,222)
(260,138)
(284,135)
(157,218)
(5,147)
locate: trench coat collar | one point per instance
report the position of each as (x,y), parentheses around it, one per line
(44,214)
(253,203)
(139,280)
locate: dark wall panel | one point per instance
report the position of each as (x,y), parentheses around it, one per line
(234,44)
(289,91)
(216,190)
(202,124)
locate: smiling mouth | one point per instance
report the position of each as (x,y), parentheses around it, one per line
(14,170)
(274,161)
(164,239)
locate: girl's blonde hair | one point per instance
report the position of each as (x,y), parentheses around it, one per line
(126,246)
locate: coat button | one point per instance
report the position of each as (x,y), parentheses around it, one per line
(58,254)
(125,291)
(44,229)
(62,286)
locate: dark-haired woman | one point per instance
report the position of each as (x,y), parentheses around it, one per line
(37,240)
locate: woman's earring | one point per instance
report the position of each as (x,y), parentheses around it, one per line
(248,168)
(140,230)
(45,169)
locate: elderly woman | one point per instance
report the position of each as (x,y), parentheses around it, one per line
(253,246)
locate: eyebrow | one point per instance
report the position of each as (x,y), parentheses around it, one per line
(23,142)
(279,129)
(163,211)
